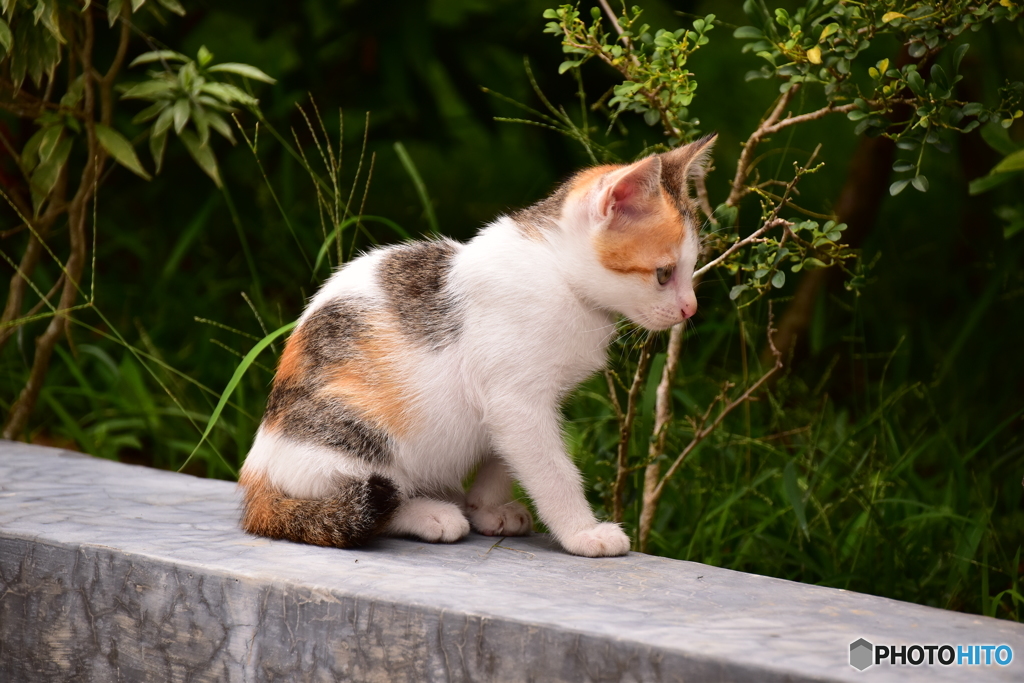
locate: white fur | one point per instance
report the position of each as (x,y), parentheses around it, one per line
(537,317)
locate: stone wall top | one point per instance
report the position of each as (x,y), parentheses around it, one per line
(116,572)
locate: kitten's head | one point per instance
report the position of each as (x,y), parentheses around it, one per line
(640,234)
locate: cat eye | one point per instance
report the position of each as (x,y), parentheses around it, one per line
(664,274)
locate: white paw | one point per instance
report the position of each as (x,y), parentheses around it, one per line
(443,527)
(510,519)
(604,540)
(435,521)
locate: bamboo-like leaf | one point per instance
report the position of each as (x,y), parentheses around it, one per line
(151,112)
(219,124)
(163,122)
(202,124)
(245,70)
(6,38)
(46,174)
(202,155)
(181,111)
(120,149)
(157,145)
(173,6)
(48,142)
(113,11)
(136,4)
(158,56)
(149,90)
(229,93)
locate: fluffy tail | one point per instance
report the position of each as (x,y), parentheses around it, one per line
(355,513)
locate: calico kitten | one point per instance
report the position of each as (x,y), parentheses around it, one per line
(417,363)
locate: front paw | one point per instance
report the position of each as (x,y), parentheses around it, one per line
(510,519)
(603,540)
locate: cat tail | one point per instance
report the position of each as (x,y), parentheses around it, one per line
(357,511)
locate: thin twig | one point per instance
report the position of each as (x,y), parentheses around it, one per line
(626,427)
(704,429)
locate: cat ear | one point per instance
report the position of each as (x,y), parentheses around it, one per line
(627,191)
(683,164)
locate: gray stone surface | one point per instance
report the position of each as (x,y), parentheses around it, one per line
(110,572)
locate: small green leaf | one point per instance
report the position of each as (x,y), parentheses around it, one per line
(136,4)
(204,57)
(568,64)
(737,290)
(779,279)
(898,187)
(1014,162)
(810,263)
(202,155)
(243,70)
(985,183)
(903,166)
(120,149)
(748,33)
(920,183)
(958,56)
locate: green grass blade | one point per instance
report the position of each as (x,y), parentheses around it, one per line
(233,382)
(421,189)
(337,232)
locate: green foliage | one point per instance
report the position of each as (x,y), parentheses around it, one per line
(884,458)
(187,92)
(656,83)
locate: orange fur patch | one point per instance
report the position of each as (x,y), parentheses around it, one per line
(582,182)
(369,383)
(291,358)
(259,495)
(640,246)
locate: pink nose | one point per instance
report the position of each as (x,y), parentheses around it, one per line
(688,308)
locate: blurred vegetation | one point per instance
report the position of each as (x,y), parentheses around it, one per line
(886,457)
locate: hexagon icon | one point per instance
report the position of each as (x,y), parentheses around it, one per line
(861,654)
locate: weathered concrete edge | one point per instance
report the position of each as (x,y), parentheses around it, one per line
(283,631)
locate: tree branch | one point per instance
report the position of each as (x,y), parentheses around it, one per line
(626,428)
(704,429)
(662,416)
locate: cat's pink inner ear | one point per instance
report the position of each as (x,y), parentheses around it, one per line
(631,188)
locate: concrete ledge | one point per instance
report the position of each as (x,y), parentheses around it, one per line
(110,572)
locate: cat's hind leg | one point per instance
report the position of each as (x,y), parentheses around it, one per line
(436,521)
(491,512)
